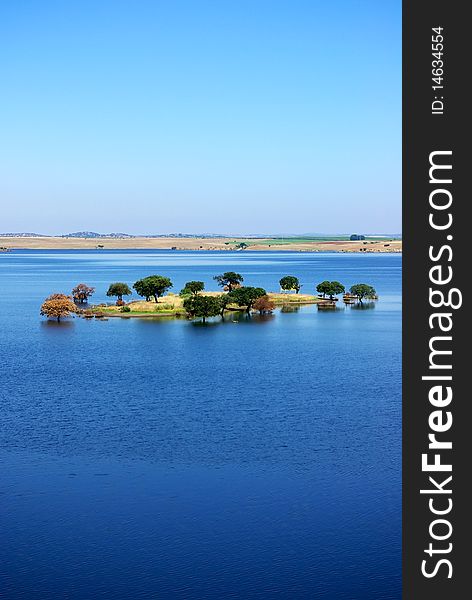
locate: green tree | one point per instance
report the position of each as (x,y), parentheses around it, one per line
(336,288)
(202,306)
(154,285)
(241,246)
(246,296)
(289,282)
(229,280)
(192,287)
(363,290)
(330,288)
(118,289)
(225,300)
(322,288)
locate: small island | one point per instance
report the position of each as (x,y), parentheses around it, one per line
(172,305)
(194,302)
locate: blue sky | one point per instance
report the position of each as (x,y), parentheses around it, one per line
(235,116)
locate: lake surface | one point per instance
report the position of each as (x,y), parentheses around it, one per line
(162,459)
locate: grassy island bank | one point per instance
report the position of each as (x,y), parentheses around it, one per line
(172,305)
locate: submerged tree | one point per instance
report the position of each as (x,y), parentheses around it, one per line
(246,296)
(202,306)
(81,293)
(264,305)
(322,287)
(119,289)
(154,285)
(58,306)
(192,287)
(330,288)
(230,279)
(289,282)
(336,288)
(363,290)
(225,300)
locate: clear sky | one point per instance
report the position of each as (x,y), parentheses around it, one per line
(238,116)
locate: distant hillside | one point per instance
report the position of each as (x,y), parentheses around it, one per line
(94,234)
(279,236)
(29,235)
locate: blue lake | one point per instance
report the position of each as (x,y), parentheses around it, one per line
(147,458)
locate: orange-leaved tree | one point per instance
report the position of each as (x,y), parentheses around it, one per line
(57,306)
(81,293)
(264,305)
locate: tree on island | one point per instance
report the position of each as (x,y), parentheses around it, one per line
(154,285)
(246,296)
(81,293)
(264,305)
(322,287)
(119,289)
(363,290)
(241,246)
(58,306)
(330,288)
(202,306)
(289,282)
(192,287)
(225,300)
(230,279)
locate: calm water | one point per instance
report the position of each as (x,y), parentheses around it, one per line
(163,459)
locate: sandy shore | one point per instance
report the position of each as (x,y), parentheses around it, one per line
(57,243)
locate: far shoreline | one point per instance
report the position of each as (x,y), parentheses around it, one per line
(370,245)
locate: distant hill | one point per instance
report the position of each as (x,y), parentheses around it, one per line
(94,234)
(287,236)
(29,235)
